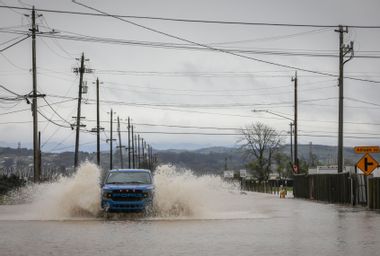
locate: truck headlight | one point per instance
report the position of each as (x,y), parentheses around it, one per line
(106,195)
(148,194)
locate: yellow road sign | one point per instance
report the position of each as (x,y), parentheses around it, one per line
(367,164)
(367,149)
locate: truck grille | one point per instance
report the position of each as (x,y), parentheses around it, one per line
(127,195)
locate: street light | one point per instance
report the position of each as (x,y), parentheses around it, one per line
(270,112)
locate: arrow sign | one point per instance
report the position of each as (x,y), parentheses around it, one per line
(367,164)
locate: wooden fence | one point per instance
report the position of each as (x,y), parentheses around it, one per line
(374,193)
(332,188)
(263,187)
(341,188)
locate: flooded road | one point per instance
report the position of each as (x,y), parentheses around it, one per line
(221,222)
(270,227)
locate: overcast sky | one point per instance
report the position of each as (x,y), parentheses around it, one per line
(190,87)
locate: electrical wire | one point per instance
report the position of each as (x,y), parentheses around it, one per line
(163,45)
(28,109)
(220,50)
(122,85)
(191,20)
(241,134)
(15,43)
(52,121)
(182,105)
(56,112)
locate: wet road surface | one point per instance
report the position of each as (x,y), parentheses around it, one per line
(252,224)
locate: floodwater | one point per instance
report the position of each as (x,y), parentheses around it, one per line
(195,216)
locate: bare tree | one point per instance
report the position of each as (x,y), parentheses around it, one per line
(259,142)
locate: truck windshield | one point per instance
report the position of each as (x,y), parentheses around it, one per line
(129,178)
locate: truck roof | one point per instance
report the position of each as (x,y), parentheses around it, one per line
(130,170)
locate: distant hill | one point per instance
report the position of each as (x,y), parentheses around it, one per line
(204,160)
(213,159)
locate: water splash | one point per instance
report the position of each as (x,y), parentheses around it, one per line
(74,196)
(179,194)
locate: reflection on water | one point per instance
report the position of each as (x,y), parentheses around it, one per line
(218,221)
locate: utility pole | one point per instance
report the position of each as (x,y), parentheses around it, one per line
(97,124)
(138,151)
(133,149)
(291,144)
(295,122)
(311,160)
(120,146)
(145,156)
(150,157)
(343,51)
(111,139)
(129,142)
(36,149)
(143,152)
(40,156)
(98,128)
(78,125)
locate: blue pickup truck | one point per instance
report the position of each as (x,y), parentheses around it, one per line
(127,190)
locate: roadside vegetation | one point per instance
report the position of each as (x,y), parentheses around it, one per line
(9,183)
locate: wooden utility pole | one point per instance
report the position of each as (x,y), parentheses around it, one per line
(138,151)
(295,122)
(311,161)
(40,156)
(110,140)
(120,146)
(291,144)
(133,148)
(129,142)
(143,152)
(36,149)
(78,124)
(343,51)
(97,124)
(150,153)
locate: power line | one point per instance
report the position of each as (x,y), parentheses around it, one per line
(240,134)
(210,127)
(363,101)
(181,105)
(219,50)
(216,95)
(52,121)
(11,40)
(56,112)
(15,43)
(122,85)
(10,91)
(228,51)
(28,109)
(222,22)
(164,45)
